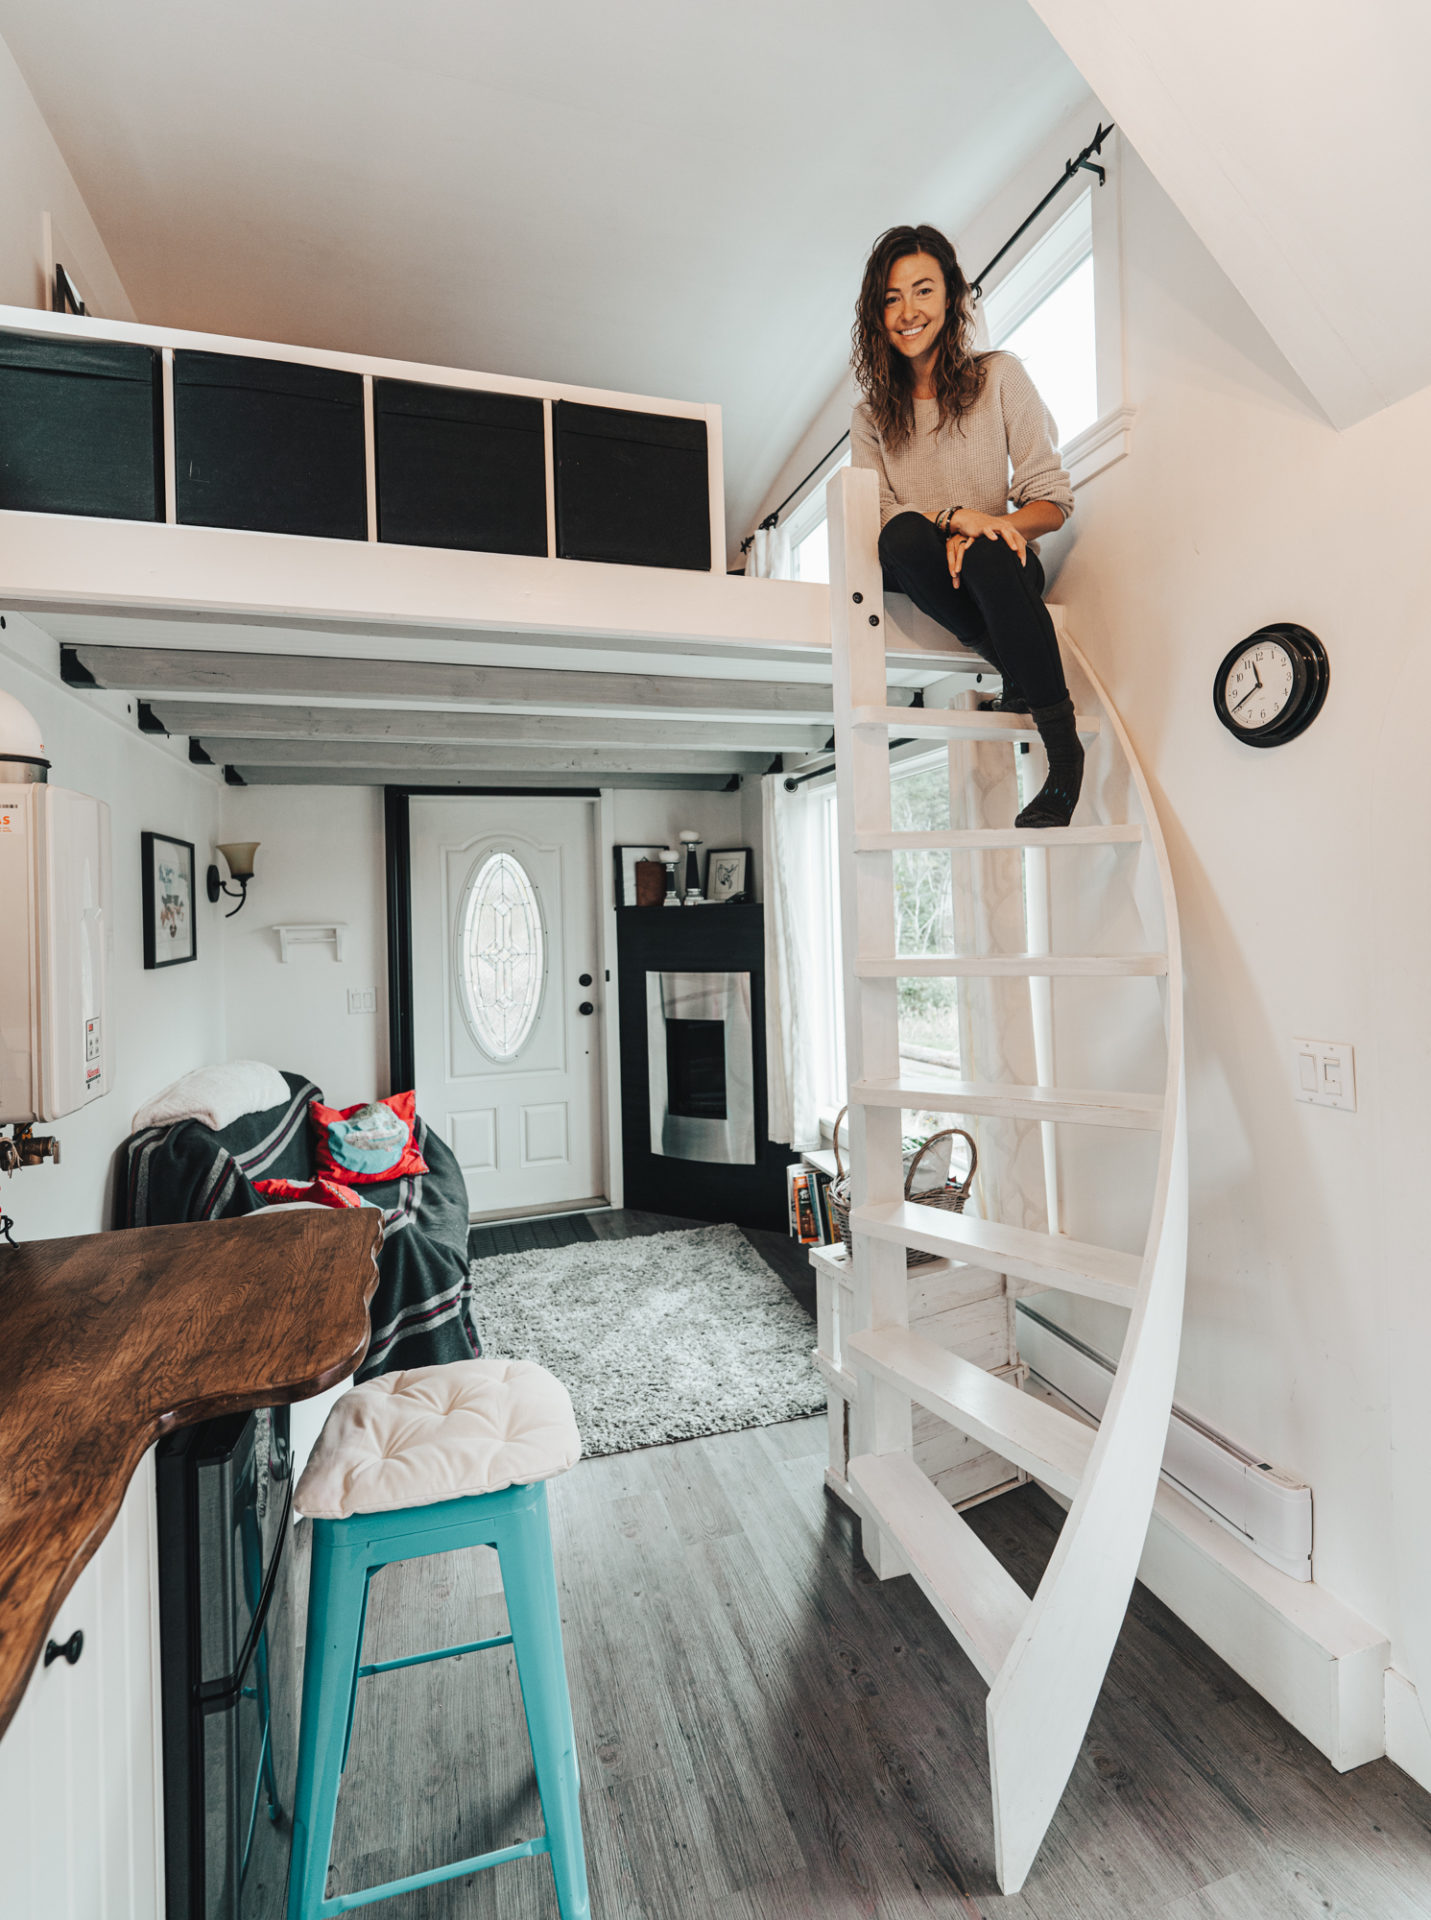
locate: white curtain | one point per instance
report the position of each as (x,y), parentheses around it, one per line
(770,555)
(799,1016)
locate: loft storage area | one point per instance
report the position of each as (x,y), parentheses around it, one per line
(269,445)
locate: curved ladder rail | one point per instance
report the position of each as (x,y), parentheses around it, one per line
(1044,1659)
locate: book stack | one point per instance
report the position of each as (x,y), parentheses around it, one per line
(811,1221)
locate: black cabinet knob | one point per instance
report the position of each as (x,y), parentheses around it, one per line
(69,1652)
(586,1007)
(584,980)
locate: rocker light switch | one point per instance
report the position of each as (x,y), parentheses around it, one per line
(1324,1073)
(362,999)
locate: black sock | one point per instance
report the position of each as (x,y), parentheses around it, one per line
(1053,804)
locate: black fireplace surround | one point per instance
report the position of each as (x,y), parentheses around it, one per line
(657,940)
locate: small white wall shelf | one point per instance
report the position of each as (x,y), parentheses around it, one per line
(332,932)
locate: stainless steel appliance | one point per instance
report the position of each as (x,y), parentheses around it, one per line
(227,1666)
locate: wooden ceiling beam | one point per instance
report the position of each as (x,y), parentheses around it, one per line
(175,671)
(218,719)
(442,779)
(427,757)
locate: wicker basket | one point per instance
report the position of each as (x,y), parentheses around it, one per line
(950,1197)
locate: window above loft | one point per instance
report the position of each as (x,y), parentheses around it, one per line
(1043,311)
(809,529)
(1056,302)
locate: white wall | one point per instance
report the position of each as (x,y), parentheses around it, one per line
(34,181)
(161,1023)
(320,858)
(653,817)
(1301,878)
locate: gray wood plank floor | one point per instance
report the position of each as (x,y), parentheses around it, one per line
(768,1733)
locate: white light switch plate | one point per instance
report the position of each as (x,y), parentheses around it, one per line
(1324,1073)
(362,999)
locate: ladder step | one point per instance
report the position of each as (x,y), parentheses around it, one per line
(981,1605)
(1046,1259)
(1050,1445)
(937,966)
(954,723)
(1013,1103)
(976,838)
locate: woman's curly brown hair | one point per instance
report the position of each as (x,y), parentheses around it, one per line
(883,374)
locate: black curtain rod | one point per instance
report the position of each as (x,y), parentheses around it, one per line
(1071,168)
(794,780)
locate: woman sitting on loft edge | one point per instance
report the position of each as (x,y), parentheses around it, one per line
(942,426)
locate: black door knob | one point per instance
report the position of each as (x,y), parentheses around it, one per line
(69,1652)
(584,980)
(586,1007)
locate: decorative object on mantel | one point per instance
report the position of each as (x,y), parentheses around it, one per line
(627,861)
(170,935)
(692,894)
(662,1337)
(325,933)
(650,883)
(239,855)
(1272,685)
(946,1193)
(728,876)
(670,860)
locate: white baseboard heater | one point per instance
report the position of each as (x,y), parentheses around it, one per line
(1268,1509)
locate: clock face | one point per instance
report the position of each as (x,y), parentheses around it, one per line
(1272,686)
(1258,685)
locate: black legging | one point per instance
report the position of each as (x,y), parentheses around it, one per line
(997,607)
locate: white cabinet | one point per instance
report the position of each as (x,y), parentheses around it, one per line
(80,1783)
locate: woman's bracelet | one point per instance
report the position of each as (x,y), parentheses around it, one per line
(944,518)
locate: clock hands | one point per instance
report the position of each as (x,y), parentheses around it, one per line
(1257,688)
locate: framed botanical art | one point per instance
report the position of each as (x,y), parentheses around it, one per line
(170,936)
(728,879)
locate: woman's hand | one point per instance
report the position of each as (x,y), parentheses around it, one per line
(968,525)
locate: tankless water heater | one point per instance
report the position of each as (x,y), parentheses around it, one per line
(54,939)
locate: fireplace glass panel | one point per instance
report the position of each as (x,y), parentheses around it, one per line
(695,1069)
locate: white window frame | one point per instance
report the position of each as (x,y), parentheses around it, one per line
(801,520)
(1110,435)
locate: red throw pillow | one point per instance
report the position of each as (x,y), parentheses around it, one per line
(374,1141)
(319,1192)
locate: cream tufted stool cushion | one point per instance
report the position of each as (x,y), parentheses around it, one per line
(438,1433)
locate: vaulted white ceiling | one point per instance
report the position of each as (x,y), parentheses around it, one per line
(659,196)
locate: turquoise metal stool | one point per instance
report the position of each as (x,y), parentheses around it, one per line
(396,1435)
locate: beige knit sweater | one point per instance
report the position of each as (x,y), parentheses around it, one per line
(968,463)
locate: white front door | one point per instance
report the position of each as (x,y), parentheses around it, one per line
(507,996)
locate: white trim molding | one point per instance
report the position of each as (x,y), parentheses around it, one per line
(1098,446)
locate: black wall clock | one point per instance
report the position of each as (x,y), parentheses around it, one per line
(1272,685)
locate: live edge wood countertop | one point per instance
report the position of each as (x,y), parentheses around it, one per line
(112,1339)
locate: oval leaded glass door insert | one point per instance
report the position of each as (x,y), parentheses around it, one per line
(501,960)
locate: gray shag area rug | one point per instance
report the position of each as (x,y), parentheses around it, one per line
(665,1336)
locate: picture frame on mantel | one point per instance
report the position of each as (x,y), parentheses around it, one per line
(729,880)
(170,933)
(627,860)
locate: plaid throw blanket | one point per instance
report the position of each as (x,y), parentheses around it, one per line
(420,1312)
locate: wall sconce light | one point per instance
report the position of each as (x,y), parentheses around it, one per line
(239,855)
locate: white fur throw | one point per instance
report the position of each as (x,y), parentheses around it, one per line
(216,1095)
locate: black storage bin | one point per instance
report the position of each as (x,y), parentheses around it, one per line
(458,468)
(631,487)
(80,425)
(269,445)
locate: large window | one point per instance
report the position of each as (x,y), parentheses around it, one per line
(1042,310)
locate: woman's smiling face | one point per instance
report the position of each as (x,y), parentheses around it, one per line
(915,304)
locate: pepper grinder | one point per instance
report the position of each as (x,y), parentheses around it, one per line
(670,860)
(690,841)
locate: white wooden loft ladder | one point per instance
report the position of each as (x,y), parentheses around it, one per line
(1043,1659)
